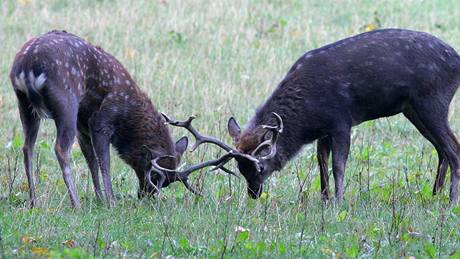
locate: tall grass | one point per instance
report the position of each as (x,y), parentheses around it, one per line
(216,59)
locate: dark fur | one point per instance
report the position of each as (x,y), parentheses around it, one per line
(88,88)
(364,77)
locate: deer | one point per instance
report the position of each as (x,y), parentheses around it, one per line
(331,89)
(91,96)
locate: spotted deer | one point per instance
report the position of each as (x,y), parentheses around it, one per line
(333,88)
(87,92)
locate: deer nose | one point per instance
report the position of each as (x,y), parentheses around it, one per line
(255,191)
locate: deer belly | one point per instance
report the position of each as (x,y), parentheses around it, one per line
(374,109)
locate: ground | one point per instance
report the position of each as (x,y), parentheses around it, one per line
(218,59)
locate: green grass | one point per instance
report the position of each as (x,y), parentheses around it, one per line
(217,59)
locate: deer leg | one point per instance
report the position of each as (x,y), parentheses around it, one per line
(66,124)
(340,145)
(451,148)
(443,165)
(30,126)
(322,153)
(436,122)
(442,162)
(88,152)
(101,132)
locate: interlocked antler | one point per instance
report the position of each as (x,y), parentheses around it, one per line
(182,176)
(200,139)
(270,143)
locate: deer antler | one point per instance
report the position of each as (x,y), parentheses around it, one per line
(199,139)
(182,176)
(270,143)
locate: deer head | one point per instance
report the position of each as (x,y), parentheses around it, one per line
(260,143)
(152,182)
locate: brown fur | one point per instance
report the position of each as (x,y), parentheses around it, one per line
(88,88)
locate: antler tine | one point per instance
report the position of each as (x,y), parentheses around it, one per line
(160,183)
(159,168)
(180,175)
(191,188)
(271,143)
(199,139)
(280,125)
(223,168)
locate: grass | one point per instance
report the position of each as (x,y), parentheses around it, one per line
(217,59)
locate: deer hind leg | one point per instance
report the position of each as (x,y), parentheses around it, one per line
(435,120)
(88,152)
(340,145)
(30,125)
(442,161)
(65,118)
(322,153)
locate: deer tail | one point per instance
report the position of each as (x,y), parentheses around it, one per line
(32,86)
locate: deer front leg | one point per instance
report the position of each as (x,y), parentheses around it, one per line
(340,146)
(322,153)
(101,131)
(30,126)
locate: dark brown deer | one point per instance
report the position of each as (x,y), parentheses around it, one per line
(331,89)
(87,91)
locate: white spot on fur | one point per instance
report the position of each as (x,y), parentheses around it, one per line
(39,82)
(408,69)
(20,83)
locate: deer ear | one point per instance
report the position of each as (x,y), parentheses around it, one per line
(181,145)
(233,128)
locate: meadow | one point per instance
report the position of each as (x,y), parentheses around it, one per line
(217,59)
